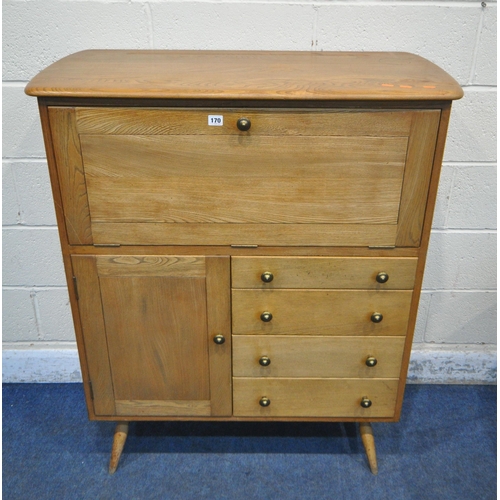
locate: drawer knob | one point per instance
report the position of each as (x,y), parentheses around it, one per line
(365,402)
(377,317)
(382,277)
(264,361)
(371,361)
(243,124)
(267,277)
(219,339)
(266,317)
(264,401)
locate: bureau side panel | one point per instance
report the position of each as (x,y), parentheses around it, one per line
(426,231)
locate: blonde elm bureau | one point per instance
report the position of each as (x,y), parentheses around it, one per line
(244,233)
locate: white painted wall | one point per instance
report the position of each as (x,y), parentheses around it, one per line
(456,332)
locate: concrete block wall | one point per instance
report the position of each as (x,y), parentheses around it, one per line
(456,331)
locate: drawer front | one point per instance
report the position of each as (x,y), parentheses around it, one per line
(344,177)
(314,397)
(320,312)
(323,272)
(313,356)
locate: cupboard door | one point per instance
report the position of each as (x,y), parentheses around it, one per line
(148,324)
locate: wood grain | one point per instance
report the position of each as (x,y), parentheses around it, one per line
(320,312)
(67,153)
(203,179)
(323,357)
(424,243)
(119,439)
(245,74)
(138,233)
(219,323)
(144,408)
(418,169)
(94,333)
(314,397)
(196,250)
(366,431)
(156,318)
(274,122)
(323,272)
(151,265)
(157,337)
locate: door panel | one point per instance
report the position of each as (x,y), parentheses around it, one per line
(154,332)
(157,337)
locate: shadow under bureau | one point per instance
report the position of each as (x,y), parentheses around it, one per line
(244,233)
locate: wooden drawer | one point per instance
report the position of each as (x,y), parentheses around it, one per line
(314,397)
(323,272)
(313,356)
(320,312)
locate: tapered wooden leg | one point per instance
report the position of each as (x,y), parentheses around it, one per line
(121,433)
(366,431)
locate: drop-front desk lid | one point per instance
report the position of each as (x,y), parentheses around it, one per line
(162,74)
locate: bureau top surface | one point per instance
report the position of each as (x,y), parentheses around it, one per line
(162,74)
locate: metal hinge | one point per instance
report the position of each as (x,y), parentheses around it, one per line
(91,390)
(244,246)
(75,286)
(382,247)
(114,245)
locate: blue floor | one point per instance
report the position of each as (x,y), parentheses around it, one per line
(443,448)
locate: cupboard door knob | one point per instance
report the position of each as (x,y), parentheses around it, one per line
(219,339)
(267,277)
(371,361)
(266,317)
(264,361)
(365,402)
(264,401)
(377,317)
(243,124)
(382,277)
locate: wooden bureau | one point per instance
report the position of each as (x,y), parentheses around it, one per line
(244,233)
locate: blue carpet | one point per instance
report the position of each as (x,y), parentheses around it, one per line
(443,448)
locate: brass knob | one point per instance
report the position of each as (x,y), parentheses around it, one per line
(377,317)
(243,124)
(365,402)
(267,277)
(266,317)
(371,361)
(264,401)
(219,339)
(382,277)
(264,361)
